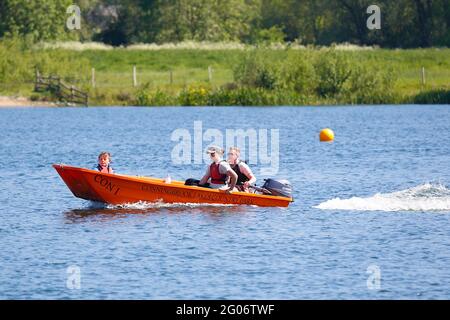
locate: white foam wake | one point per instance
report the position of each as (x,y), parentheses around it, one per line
(425,197)
(142,205)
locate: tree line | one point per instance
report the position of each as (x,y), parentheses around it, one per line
(404,23)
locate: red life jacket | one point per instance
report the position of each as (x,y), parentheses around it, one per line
(104,170)
(216,176)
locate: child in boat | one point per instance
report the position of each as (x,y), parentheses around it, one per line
(219,171)
(245,175)
(104,161)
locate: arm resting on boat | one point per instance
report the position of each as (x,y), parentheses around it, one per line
(233,179)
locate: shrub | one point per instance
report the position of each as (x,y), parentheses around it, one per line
(222,97)
(16,62)
(245,96)
(256,71)
(297,73)
(123,97)
(193,96)
(437,96)
(143,96)
(34,97)
(274,34)
(161,98)
(146,97)
(369,85)
(250,97)
(333,70)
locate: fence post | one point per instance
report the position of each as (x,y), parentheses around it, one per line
(424,80)
(171,77)
(134,77)
(210,71)
(71,93)
(93,77)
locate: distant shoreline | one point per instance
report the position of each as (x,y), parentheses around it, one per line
(7,102)
(259,77)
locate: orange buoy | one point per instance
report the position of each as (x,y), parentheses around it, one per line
(326,135)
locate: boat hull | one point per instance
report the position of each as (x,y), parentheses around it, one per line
(122,189)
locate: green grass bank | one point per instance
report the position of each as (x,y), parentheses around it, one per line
(252,76)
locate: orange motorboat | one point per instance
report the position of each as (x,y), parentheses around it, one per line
(123,189)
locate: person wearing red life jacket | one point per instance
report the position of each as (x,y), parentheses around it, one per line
(245,175)
(104,161)
(219,172)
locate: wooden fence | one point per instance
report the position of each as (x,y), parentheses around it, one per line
(62,91)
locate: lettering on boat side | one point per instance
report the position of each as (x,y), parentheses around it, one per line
(105,183)
(197,195)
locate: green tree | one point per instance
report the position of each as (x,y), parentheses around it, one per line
(205,20)
(129,21)
(37,20)
(405,23)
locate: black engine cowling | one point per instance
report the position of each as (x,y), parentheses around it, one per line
(282,188)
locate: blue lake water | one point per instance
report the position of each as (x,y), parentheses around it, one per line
(371,217)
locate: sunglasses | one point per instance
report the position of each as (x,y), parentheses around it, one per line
(212,154)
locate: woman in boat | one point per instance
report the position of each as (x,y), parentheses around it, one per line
(219,171)
(104,163)
(245,175)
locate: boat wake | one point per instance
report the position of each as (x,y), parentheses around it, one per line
(143,205)
(424,197)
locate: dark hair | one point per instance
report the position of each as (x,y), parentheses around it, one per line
(104,153)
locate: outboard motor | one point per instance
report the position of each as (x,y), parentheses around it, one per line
(281,188)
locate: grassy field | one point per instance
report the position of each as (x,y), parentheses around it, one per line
(189,67)
(173,70)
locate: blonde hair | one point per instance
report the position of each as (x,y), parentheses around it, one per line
(236,149)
